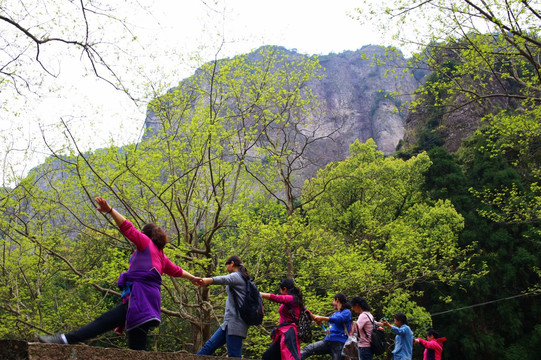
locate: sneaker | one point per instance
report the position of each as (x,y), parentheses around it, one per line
(54,339)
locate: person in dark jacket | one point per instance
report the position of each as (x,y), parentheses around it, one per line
(285,341)
(141,297)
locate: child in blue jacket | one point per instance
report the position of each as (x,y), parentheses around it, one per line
(403,341)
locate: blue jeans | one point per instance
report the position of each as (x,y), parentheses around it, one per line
(366,353)
(323,347)
(220,337)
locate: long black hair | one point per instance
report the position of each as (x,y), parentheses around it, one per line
(238,262)
(433,333)
(289,284)
(343,300)
(361,302)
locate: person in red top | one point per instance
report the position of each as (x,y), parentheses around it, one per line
(285,341)
(433,345)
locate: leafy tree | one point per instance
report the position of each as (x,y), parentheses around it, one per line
(485,59)
(508,250)
(189,175)
(495,42)
(388,240)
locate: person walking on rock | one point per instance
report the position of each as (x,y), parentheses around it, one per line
(140,307)
(233,329)
(339,327)
(285,341)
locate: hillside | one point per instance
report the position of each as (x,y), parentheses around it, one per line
(354,95)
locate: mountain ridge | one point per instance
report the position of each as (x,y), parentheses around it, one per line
(362,91)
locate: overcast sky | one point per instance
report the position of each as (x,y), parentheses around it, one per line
(172,30)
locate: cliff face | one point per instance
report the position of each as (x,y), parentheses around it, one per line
(458,120)
(359,92)
(354,94)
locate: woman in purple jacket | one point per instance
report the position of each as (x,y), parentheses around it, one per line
(140,285)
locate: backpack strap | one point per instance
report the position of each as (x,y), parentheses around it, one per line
(346,332)
(373,325)
(295,320)
(235,295)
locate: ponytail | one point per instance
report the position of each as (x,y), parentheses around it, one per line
(343,300)
(289,284)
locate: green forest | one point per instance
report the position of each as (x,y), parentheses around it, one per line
(450,239)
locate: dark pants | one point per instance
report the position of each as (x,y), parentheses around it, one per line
(366,353)
(323,347)
(289,339)
(273,352)
(137,337)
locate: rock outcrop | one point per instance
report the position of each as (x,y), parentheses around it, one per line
(362,91)
(22,350)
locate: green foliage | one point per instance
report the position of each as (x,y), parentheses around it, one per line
(387,240)
(217,168)
(508,248)
(484,71)
(196,176)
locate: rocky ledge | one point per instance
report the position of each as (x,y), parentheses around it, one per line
(22,350)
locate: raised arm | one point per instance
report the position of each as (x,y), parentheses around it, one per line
(104,207)
(428,344)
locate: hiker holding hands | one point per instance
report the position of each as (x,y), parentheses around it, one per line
(403,341)
(339,327)
(285,342)
(233,330)
(140,308)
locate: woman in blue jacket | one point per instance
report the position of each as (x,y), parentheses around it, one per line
(337,333)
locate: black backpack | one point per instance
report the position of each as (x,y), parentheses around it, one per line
(251,310)
(304,326)
(378,343)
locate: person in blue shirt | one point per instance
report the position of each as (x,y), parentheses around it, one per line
(403,341)
(337,332)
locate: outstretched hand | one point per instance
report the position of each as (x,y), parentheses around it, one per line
(201,282)
(318,319)
(103,206)
(197,281)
